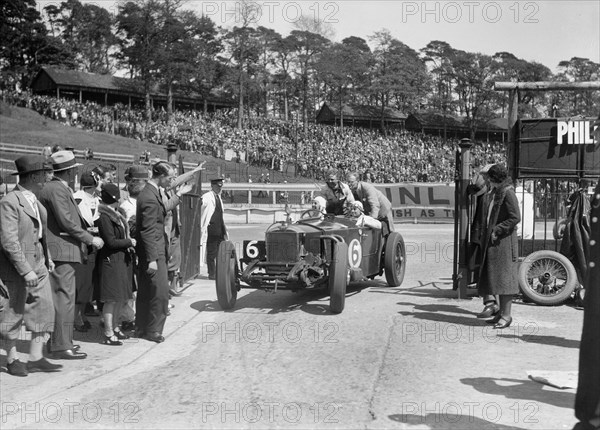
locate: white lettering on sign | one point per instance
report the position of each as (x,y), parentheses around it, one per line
(576,132)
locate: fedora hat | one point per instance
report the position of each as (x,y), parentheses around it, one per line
(63,160)
(137,172)
(29,164)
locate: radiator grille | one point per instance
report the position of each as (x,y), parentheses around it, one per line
(283,247)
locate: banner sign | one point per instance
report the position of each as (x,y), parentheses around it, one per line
(420,200)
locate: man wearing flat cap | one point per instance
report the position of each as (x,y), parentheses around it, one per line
(66,236)
(212,226)
(24,266)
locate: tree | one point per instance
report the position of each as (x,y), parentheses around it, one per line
(283,49)
(579,69)
(398,73)
(24,41)
(473,77)
(307,46)
(439,55)
(87,30)
(343,66)
(139,31)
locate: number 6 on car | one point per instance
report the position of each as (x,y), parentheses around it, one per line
(321,252)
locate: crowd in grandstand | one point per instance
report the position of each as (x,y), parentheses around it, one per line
(398,156)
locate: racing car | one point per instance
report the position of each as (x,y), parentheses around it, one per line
(317,251)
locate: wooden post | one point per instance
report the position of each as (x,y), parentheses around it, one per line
(513,112)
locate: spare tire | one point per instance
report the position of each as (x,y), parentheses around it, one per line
(547,278)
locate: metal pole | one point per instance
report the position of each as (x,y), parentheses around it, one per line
(462,182)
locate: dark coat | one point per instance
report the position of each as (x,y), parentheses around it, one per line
(588,395)
(498,273)
(115,261)
(150,226)
(66,227)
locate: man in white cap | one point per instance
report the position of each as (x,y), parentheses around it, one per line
(66,235)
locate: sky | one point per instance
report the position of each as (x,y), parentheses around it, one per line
(543,31)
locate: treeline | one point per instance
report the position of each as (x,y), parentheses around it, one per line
(174,50)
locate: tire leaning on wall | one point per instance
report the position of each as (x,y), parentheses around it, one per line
(547,278)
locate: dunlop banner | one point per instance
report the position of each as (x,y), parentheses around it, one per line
(420,201)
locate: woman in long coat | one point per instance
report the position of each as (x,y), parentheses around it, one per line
(116,263)
(498,274)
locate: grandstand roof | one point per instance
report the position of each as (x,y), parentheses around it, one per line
(435,120)
(354,112)
(50,79)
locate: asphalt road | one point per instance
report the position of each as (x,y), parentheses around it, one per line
(411,357)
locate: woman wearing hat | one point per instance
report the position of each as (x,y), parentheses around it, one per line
(116,263)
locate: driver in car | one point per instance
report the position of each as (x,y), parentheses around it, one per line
(336,194)
(357,212)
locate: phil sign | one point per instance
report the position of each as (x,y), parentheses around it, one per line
(557,147)
(575,132)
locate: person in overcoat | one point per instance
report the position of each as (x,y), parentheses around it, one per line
(498,274)
(24,266)
(66,235)
(152,249)
(115,263)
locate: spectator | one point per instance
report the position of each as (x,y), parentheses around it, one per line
(116,264)
(24,266)
(66,234)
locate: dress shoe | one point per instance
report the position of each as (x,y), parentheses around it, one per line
(17,368)
(211,277)
(87,325)
(489,311)
(120,335)
(155,337)
(494,320)
(503,323)
(43,365)
(69,354)
(112,340)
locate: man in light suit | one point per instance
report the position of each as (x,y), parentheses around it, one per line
(374,202)
(152,248)
(212,227)
(66,237)
(24,266)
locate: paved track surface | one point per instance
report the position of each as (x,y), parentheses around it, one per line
(412,357)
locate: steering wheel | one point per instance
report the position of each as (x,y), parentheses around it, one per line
(310,213)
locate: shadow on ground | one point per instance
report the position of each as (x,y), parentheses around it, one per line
(448,420)
(521,390)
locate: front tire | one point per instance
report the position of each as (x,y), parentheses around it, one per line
(338,277)
(547,278)
(395,259)
(226,275)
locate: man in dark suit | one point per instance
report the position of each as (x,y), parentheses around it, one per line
(212,226)
(152,248)
(24,266)
(66,237)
